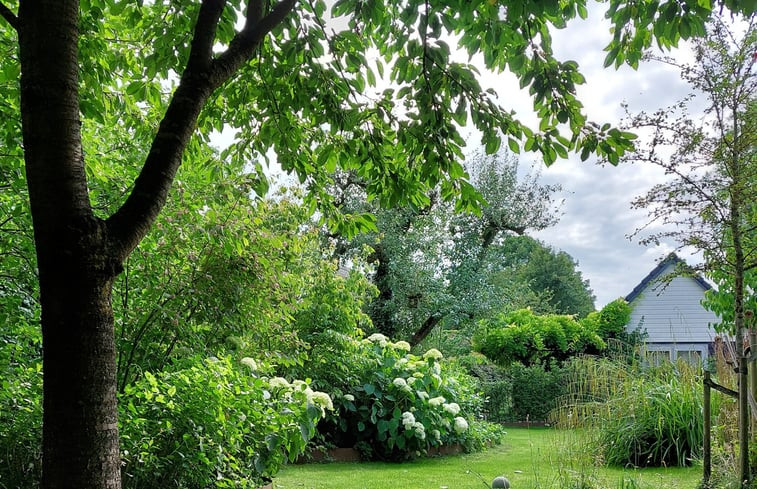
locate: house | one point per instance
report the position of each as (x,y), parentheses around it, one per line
(669,309)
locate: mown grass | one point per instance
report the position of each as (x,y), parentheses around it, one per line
(532,458)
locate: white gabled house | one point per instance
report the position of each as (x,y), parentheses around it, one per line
(670,311)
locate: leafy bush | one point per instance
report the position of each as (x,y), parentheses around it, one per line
(496,386)
(21,428)
(536,391)
(212,424)
(397,405)
(612,319)
(524,337)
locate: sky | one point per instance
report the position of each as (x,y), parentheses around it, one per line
(597,216)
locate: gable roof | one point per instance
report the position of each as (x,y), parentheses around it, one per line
(671,259)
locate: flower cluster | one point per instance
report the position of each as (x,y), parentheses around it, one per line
(409,422)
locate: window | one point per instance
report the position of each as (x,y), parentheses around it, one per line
(692,357)
(658,357)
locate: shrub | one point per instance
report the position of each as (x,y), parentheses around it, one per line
(402,404)
(21,428)
(535,391)
(212,424)
(613,318)
(524,337)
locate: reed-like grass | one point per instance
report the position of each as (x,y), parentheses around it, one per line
(635,416)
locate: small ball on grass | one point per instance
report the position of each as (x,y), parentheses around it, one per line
(500,482)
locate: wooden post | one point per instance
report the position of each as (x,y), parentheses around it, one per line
(707,448)
(743,461)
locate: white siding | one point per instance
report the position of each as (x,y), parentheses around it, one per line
(672,313)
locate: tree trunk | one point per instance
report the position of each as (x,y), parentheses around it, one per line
(80,432)
(76,268)
(79,255)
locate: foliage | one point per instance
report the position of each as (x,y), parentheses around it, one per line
(214,424)
(536,391)
(206,423)
(612,320)
(496,386)
(21,426)
(524,337)
(641,418)
(396,405)
(435,266)
(550,274)
(223,273)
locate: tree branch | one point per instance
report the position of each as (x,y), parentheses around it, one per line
(201,53)
(201,77)
(9,16)
(244,43)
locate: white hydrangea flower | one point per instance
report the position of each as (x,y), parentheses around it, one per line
(437,369)
(249,362)
(433,353)
(453,408)
(349,397)
(411,380)
(323,400)
(278,382)
(408,419)
(299,384)
(402,345)
(420,430)
(437,401)
(400,382)
(422,394)
(418,375)
(436,434)
(378,338)
(460,424)
(402,361)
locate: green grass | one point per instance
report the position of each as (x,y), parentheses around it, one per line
(532,458)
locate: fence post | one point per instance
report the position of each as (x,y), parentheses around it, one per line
(707,448)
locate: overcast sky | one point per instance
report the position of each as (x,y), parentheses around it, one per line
(597,214)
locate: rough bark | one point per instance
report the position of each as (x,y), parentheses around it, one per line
(80,433)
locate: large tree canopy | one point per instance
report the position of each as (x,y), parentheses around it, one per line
(289,79)
(435,266)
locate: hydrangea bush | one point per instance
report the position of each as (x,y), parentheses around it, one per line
(215,424)
(404,404)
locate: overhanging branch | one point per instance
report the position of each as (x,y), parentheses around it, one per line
(201,52)
(9,16)
(244,43)
(200,78)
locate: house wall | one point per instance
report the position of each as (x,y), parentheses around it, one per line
(671,313)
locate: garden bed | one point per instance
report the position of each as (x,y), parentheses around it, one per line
(352,455)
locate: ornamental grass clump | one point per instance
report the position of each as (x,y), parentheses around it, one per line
(639,418)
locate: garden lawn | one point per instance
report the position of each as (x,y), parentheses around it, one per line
(532,458)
